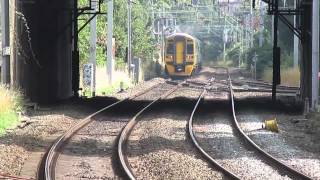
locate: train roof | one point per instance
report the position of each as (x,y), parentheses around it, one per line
(182,34)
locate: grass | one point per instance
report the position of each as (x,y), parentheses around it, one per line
(289,77)
(103,88)
(10,103)
(107,90)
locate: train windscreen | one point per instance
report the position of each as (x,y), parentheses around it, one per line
(170,49)
(190,49)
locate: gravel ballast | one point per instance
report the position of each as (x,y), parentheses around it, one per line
(138,88)
(289,145)
(216,134)
(160,149)
(44,125)
(90,154)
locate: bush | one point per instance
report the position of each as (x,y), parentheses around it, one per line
(10,104)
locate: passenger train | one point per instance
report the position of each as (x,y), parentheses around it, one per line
(182,55)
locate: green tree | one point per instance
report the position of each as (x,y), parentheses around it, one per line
(141,25)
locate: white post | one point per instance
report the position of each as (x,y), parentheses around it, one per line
(162,39)
(224,51)
(315,53)
(261,38)
(93,47)
(110,60)
(251,26)
(295,43)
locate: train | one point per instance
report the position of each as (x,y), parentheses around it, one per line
(182,57)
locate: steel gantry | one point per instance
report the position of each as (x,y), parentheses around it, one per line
(306,14)
(279,13)
(208,19)
(90,9)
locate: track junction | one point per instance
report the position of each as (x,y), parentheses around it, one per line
(139,147)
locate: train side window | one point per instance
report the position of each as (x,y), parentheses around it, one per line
(190,49)
(170,49)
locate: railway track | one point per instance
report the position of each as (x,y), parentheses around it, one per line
(274,162)
(128,128)
(252,86)
(47,170)
(47,167)
(161,146)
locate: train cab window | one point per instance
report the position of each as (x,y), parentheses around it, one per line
(170,49)
(190,49)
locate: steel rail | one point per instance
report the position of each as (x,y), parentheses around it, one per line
(279,163)
(7,176)
(196,143)
(128,128)
(264,84)
(264,90)
(53,152)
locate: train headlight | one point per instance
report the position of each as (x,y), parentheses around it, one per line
(190,57)
(169,57)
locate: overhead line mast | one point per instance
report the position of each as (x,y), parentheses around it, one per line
(5,66)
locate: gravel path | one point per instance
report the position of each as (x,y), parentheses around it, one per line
(282,145)
(159,149)
(216,133)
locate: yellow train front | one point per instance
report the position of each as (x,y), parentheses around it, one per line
(182,55)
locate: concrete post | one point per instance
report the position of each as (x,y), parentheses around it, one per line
(93,47)
(137,69)
(315,54)
(251,26)
(162,39)
(129,37)
(110,60)
(5,67)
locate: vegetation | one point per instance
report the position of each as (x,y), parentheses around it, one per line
(289,76)
(143,45)
(10,104)
(265,53)
(103,88)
